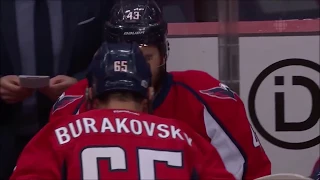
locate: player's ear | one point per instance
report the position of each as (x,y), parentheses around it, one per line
(148,102)
(150,93)
(89,94)
(91,103)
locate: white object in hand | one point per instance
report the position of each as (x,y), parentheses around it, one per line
(34,82)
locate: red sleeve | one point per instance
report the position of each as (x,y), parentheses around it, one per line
(38,160)
(316,169)
(213,168)
(210,163)
(257,162)
(228,127)
(70,101)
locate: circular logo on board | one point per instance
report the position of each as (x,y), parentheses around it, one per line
(281,123)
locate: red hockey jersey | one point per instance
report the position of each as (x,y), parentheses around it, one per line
(118,144)
(211,108)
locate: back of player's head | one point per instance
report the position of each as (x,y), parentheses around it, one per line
(139,21)
(119,67)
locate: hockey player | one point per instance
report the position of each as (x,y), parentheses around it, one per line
(118,140)
(201,101)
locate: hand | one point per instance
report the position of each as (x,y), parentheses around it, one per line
(57,86)
(10,90)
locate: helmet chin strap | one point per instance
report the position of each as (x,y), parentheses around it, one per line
(165,59)
(163,64)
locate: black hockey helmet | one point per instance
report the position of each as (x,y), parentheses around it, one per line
(119,66)
(137,21)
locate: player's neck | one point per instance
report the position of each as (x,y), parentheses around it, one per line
(157,86)
(131,106)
